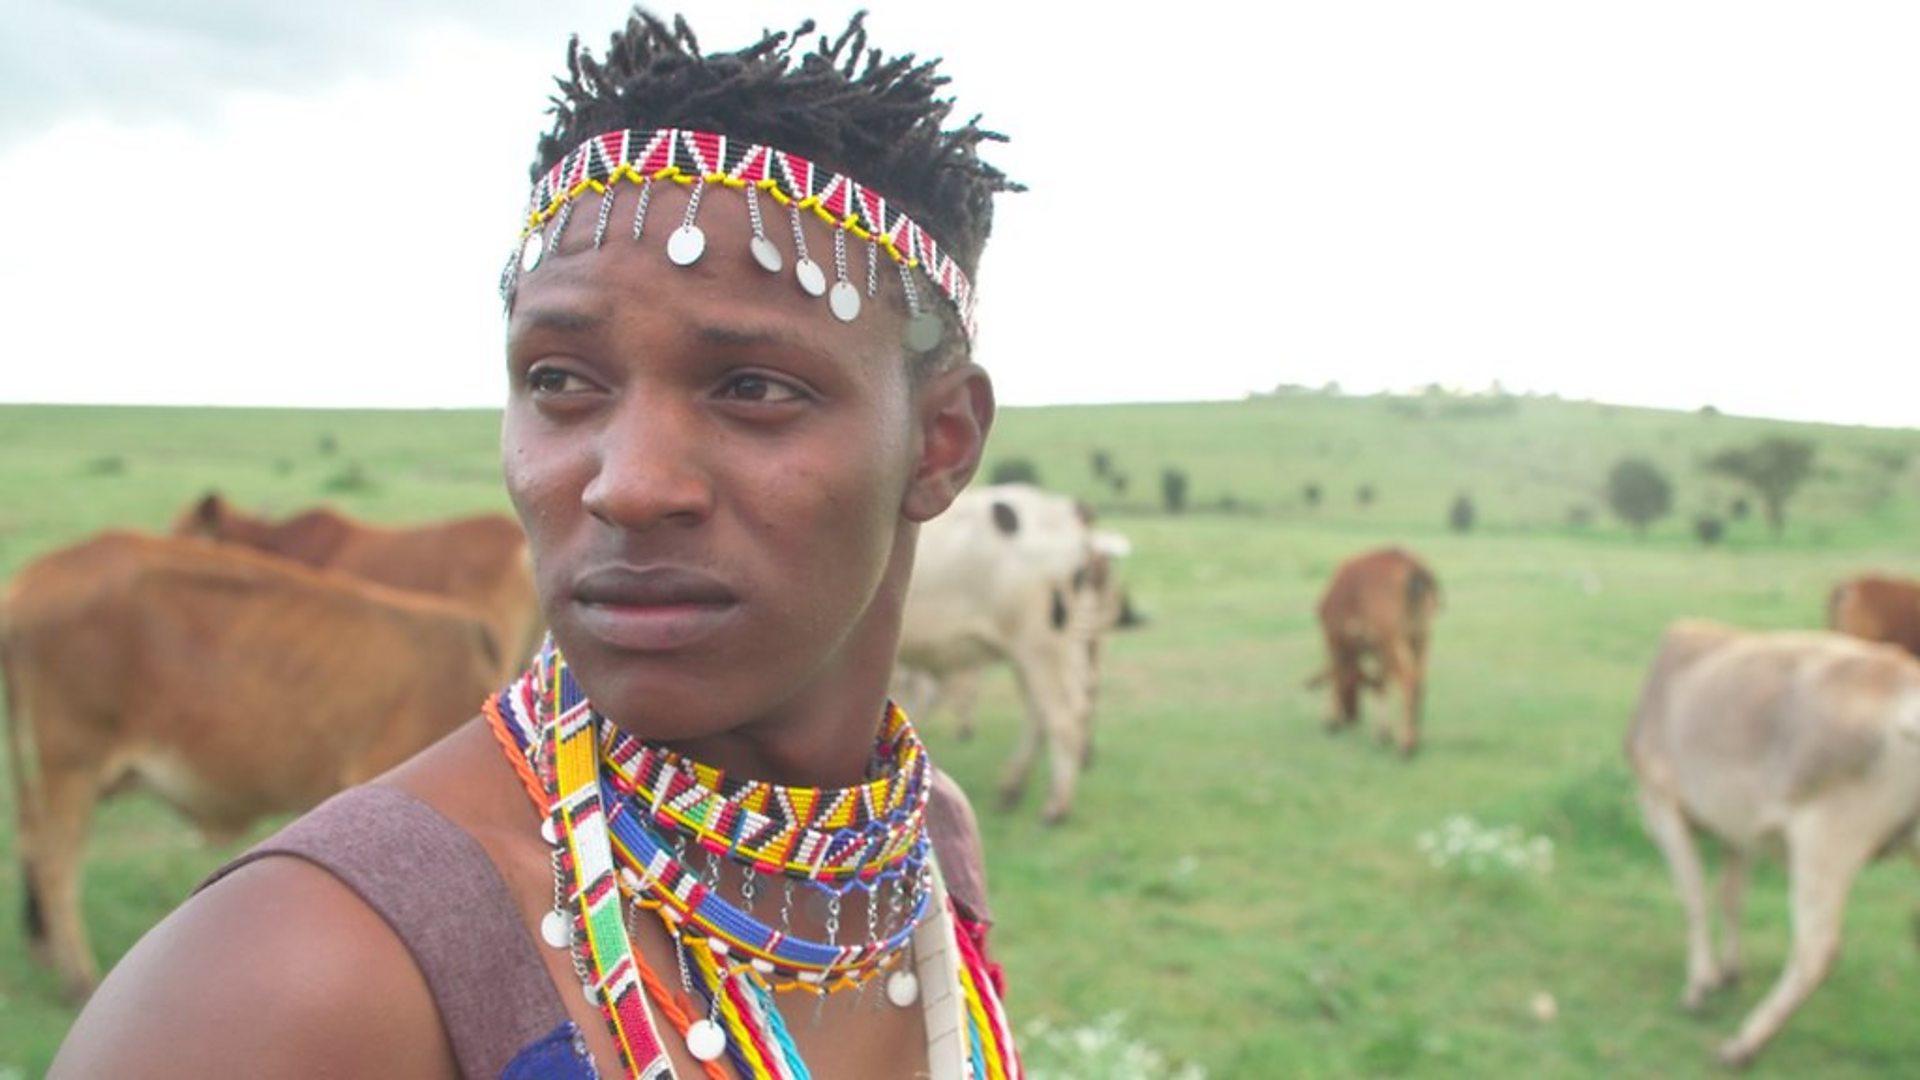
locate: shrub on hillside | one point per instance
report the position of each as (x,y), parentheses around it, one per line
(1579,517)
(1014,471)
(1740,509)
(1774,468)
(329,445)
(1366,495)
(1311,494)
(1638,493)
(1461,515)
(1709,530)
(1173,490)
(351,478)
(114,465)
(1101,463)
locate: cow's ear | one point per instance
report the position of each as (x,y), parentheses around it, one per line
(209,509)
(955,412)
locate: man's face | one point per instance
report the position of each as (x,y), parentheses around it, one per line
(710,466)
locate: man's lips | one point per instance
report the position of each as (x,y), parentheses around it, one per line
(651,609)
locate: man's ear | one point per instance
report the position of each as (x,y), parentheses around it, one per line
(956,412)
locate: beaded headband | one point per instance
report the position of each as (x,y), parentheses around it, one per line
(698,159)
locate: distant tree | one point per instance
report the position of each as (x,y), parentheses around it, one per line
(1709,410)
(1638,493)
(1017,470)
(1740,509)
(329,445)
(1579,517)
(1173,490)
(1774,468)
(1119,482)
(1461,515)
(1311,493)
(1366,495)
(1102,463)
(1708,529)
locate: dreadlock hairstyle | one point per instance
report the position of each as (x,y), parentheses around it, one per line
(850,108)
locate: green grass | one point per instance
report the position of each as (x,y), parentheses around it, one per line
(1242,887)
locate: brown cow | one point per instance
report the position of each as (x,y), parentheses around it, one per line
(1380,604)
(480,560)
(231,683)
(1806,740)
(1878,607)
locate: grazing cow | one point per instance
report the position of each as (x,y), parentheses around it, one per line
(231,683)
(1379,605)
(1806,740)
(481,561)
(1015,574)
(1879,608)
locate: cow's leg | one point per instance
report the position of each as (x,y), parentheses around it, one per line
(1405,668)
(1824,854)
(1013,776)
(1343,671)
(1674,837)
(55,852)
(1055,713)
(1734,864)
(962,694)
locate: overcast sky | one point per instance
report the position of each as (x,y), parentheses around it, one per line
(1669,203)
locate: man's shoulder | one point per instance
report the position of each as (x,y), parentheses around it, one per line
(278,968)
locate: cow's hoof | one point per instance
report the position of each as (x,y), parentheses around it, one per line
(1053,816)
(1009,798)
(1735,1054)
(1695,997)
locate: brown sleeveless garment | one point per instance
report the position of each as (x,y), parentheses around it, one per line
(501,1012)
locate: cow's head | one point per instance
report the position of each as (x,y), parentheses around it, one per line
(206,517)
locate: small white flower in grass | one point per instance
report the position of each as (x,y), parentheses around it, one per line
(1462,844)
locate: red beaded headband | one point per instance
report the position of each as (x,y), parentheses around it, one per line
(698,159)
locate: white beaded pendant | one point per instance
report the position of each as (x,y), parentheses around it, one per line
(556,929)
(705,1040)
(903,988)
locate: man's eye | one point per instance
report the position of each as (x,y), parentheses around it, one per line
(761,389)
(549,380)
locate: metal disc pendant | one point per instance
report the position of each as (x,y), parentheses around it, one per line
(556,930)
(903,988)
(591,993)
(549,832)
(686,245)
(845,301)
(705,1040)
(530,252)
(924,332)
(812,278)
(766,254)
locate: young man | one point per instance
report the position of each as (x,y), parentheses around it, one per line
(739,382)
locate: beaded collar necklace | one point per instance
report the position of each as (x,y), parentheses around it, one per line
(628,821)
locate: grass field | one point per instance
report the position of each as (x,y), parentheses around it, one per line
(1238,891)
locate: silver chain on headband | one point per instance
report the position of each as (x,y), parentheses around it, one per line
(644,157)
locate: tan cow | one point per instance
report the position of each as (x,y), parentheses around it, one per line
(1017,575)
(480,560)
(1806,740)
(1379,607)
(1878,607)
(231,683)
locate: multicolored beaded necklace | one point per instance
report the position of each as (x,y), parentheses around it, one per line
(626,819)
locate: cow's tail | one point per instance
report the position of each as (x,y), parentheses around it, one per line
(1423,593)
(25,799)
(1836,602)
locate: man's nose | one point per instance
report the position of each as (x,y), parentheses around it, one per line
(650,467)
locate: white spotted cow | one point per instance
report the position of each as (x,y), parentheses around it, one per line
(1014,574)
